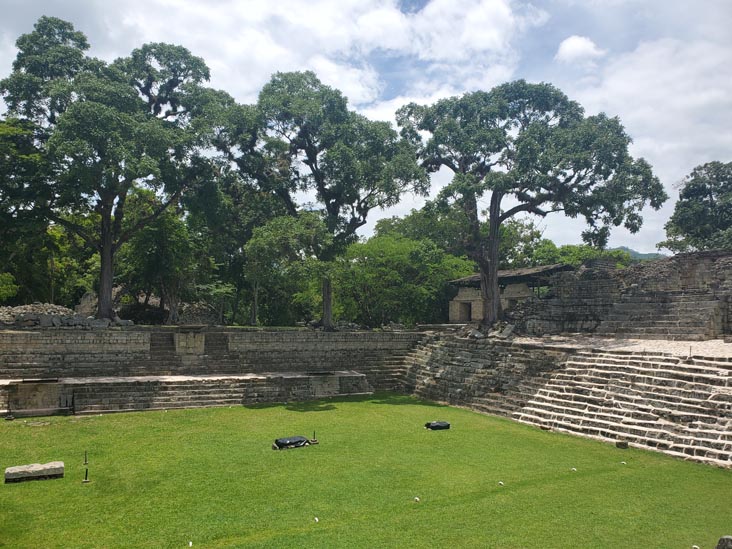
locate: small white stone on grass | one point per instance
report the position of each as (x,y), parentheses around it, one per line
(316,519)
(500,483)
(694,547)
(190,544)
(416,499)
(574,469)
(623,463)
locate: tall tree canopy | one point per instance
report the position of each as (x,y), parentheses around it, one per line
(527,148)
(702,217)
(106,130)
(311,142)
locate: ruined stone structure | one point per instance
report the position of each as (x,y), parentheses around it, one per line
(687,296)
(681,406)
(85,371)
(516,285)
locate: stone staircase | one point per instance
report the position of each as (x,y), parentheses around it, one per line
(95,395)
(682,407)
(689,315)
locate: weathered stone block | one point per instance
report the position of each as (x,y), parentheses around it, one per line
(34,471)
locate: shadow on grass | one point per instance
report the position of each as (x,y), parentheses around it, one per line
(328,404)
(397,399)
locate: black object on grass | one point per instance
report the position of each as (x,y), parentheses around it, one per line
(437,425)
(290,442)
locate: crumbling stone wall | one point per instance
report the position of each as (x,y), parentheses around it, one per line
(135,351)
(688,296)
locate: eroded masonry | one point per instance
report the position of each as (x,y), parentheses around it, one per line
(688,296)
(671,400)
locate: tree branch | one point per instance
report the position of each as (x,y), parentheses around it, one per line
(86,237)
(125,236)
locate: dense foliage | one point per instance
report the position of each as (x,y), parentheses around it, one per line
(702,218)
(134,175)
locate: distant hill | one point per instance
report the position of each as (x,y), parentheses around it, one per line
(640,256)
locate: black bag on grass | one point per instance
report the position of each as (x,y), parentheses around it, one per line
(437,425)
(290,442)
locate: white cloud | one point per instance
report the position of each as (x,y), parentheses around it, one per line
(456,29)
(359,85)
(384,28)
(674,98)
(578,49)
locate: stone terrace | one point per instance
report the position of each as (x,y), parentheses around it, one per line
(46,371)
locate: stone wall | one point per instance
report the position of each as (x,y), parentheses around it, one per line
(688,296)
(64,353)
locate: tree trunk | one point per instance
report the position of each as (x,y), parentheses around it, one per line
(254,313)
(106,256)
(327,304)
(172,297)
(235,305)
(489,288)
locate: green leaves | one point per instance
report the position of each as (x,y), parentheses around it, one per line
(350,163)
(8,288)
(53,52)
(530,141)
(702,217)
(397,279)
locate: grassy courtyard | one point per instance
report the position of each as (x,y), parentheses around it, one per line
(210,477)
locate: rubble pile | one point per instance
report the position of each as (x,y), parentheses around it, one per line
(46,315)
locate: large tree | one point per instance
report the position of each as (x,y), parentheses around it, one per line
(702,217)
(311,142)
(527,149)
(107,129)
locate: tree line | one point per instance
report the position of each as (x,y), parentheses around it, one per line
(136,174)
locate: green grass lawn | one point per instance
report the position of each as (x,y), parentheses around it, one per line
(162,479)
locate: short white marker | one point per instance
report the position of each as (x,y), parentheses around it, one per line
(574,469)
(500,483)
(316,519)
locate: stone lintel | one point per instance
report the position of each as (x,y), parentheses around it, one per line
(34,471)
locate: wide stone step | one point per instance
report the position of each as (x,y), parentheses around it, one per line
(685,398)
(680,371)
(609,433)
(132,406)
(635,408)
(610,427)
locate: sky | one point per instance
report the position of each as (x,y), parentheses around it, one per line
(664,67)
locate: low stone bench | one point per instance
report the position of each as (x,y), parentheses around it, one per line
(35,471)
